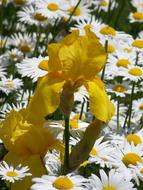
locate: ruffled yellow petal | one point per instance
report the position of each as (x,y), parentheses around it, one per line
(78,56)
(45,100)
(33,162)
(100,105)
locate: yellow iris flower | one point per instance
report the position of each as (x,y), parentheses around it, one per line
(73,62)
(27,145)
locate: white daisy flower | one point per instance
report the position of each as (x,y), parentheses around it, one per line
(53,162)
(2,71)
(137,44)
(7,108)
(133,73)
(30,15)
(81,12)
(7,85)
(112,181)
(119,89)
(68,182)
(135,138)
(137,172)
(82,23)
(104,4)
(24,42)
(11,174)
(100,152)
(52,9)
(138,108)
(24,96)
(14,55)
(138,4)
(136,17)
(4,42)
(33,67)
(126,154)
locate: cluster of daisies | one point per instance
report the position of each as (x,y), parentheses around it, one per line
(118,152)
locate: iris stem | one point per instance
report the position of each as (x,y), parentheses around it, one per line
(66,141)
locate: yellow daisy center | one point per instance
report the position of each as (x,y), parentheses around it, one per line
(43,65)
(141,107)
(77,12)
(19,2)
(110,48)
(63,183)
(123,63)
(134,138)
(39,17)
(141,4)
(127,50)
(25,48)
(11,174)
(53,6)
(138,43)
(76,116)
(103,3)
(135,71)
(107,30)
(74,123)
(2,44)
(131,158)
(141,171)
(93,152)
(9,83)
(138,15)
(109,187)
(13,56)
(119,88)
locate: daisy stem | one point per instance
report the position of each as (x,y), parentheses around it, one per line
(106,50)
(81,112)
(73,11)
(10,185)
(137,58)
(1,24)
(118,111)
(66,141)
(35,53)
(109,11)
(130,106)
(119,13)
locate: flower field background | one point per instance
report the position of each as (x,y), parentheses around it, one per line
(71,94)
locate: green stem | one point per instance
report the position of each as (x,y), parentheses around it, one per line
(120,12)
(10,185)
(67,22)
(131,103)
(35,53)
(106,50)
(1,25)
(73,12)
(118,111)
(137,58)
(109,11)
(80,117)
(66,141)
